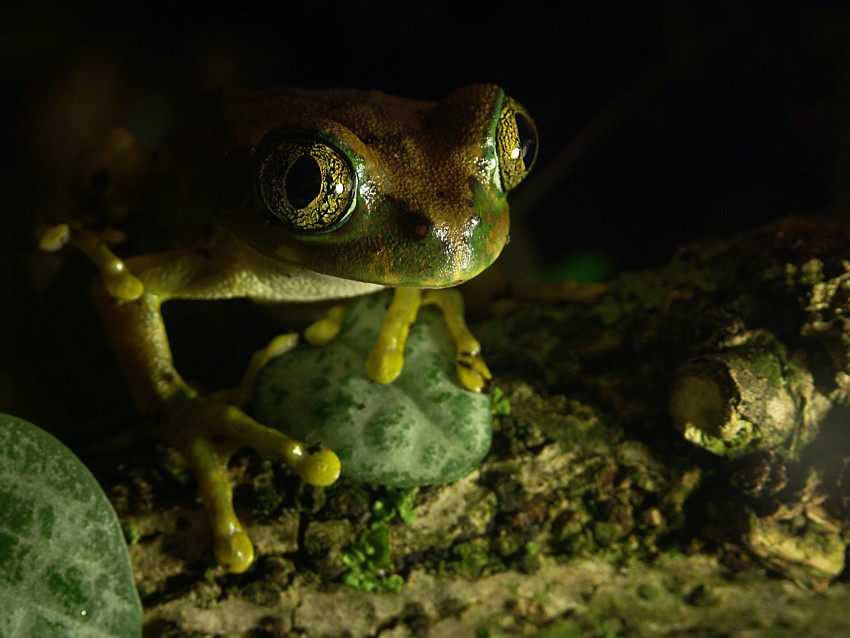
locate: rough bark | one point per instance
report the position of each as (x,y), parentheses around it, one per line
(674,461)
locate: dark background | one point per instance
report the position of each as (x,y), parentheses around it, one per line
(660,122)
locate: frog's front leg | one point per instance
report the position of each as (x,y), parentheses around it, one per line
(386,359)
(207,430)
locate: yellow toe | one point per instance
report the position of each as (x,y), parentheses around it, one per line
(235,552)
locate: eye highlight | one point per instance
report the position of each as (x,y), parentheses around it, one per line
(306,183)
(516,143)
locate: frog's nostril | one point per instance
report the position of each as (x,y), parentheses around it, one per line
(420,230)
(415,226)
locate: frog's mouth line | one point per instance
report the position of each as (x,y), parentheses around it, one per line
(413,251)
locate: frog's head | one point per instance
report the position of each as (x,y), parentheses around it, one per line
(366,186)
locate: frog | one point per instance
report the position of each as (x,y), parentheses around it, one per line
(300,195)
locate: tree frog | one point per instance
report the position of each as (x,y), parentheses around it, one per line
(303,195)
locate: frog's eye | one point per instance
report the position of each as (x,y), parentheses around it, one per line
(516,143)
(306,183)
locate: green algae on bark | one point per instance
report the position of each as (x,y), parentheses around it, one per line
(592,513)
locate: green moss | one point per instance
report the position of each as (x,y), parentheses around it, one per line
(811,273)
(636,293)
(499,404)
(131,533)
(648,591)
(367,563)
(396,502)
(474,558)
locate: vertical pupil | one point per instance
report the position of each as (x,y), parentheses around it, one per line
(303,181)
(527,138)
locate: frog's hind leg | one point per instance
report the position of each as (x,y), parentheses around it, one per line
(205,429)
(208,460)
(207,435)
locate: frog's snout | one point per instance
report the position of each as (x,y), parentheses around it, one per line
(452,254)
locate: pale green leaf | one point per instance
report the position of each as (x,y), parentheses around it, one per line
(64,567)
(421,429)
